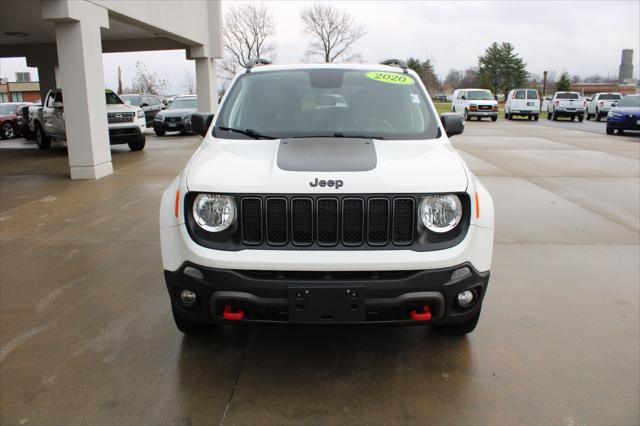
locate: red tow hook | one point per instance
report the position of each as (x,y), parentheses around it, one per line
(421,316)
(227,314)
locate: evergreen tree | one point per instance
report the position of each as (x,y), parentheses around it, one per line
(564,83)
(501,69)
(426,72)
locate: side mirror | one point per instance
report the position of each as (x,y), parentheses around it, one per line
(58,105)
(453,123)
(464,98)
(613,105)
(144,104)
(200,122)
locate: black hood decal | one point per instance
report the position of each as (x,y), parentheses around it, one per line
(327,155)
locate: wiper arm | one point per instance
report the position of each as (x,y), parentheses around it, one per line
(247,132)
(337,135)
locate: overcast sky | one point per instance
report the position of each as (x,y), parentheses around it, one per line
(583,37)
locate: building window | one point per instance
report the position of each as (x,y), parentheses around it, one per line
(23,77)
(4,97)
(16,97)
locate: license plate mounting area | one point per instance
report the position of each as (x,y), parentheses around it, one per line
(321,304)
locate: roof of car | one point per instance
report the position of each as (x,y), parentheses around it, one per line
(287,67)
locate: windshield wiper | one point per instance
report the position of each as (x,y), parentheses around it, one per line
(247,132)
(338,135)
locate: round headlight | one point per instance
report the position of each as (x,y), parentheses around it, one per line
(214,213)
(441,213)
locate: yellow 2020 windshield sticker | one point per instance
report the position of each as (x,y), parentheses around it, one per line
(390,77)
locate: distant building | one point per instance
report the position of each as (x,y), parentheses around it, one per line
(625,75)
(588,89)
(21,90)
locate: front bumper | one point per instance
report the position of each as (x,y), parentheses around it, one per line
(624,123)
(358,297)
(173,126)
(120,135)
(477,113)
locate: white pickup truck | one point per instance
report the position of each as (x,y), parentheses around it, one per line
(126,122)
(600,104)
(566,104)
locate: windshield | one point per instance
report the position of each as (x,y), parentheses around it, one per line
(327,103)
(133,99)
(185,103)
(609,96)
(479,95)
(567,95)
(8,109)
(630,101)
(112,98)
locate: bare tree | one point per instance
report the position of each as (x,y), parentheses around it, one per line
(247,35)
(189,83)
(332,33)
(147,81)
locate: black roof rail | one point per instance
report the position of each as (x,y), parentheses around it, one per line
(256,63)
(396,63)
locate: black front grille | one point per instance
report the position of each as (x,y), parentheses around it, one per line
(320,221)
(327,222)
(120,117)
(485,107)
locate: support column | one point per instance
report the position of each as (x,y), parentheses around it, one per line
(79,45)
(206,85)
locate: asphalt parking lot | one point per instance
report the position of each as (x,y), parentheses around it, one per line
(86,334)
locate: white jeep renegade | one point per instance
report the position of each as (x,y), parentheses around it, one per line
(300,209)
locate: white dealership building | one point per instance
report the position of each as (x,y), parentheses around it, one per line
(65,40)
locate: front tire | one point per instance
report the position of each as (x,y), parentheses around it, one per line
(494,118)
(581,117)
(598,116)
(138,144)
(8,130)
(42,140)
(610,131)
(466,115)
(159,132)
(459,329)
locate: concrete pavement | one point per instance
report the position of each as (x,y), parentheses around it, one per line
(86,334)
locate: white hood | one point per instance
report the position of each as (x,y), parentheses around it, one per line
(251,166)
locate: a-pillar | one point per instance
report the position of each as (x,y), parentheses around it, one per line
(79,45)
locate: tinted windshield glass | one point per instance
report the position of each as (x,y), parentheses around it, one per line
(609,96)
(7,109)
(133,99)
(567,96)
(112,98)
(191,103)
(326,102)
(479,95)
(630,101)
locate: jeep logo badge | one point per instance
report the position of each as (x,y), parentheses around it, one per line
(337,184)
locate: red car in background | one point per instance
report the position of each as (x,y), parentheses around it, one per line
(9,127)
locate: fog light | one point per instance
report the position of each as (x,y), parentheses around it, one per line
(466,298)
(188,298)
